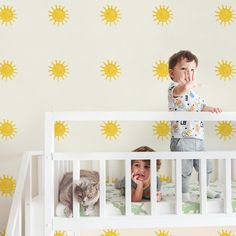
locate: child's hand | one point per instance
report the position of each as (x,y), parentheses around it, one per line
(135,178)
(216,110)
(158,196)
(190,81)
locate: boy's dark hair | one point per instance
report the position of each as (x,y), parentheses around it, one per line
(147,149)
(183,54)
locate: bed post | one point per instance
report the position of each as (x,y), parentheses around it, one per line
(48,174)
(233,169)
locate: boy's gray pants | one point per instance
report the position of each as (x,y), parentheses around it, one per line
(189,145)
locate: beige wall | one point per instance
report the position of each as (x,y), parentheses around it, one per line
(84,42)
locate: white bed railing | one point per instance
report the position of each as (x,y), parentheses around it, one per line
(77,223)
(17,224)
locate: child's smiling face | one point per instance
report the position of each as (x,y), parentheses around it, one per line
(141,169)
(184,69)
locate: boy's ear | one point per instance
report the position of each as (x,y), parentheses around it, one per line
(171,73)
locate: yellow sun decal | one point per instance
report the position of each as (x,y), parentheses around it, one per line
(162,15)
(110,232)
(225,70)
(7,70)
(7,185)
(160,70)
(7,129)
(163,233)
(60,233)
(61,129)
(161,129)
(225,129)
(225,233)
(110,129)
(110,70)
(164,178)
(7,15)
(58,70)
(58,15)
(2,233)
(110,15)
(225,14)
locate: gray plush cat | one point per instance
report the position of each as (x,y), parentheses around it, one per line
(86,191)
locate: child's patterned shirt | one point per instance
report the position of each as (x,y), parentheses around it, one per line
(187,102)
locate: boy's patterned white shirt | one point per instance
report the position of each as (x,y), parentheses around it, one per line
(188,102)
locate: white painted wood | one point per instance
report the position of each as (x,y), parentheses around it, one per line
(203,186)
(233,168)
(143,155)
(143,116)
(129,221)
(76,177)
(128,187)
(18,228)
(178,188)
(102,178)
(49,148)
(137,222)
(40,174)
(28,199)
(16,203)
(228,187)
(153,187)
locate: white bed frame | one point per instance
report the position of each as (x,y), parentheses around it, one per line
(77,223)
(25,218)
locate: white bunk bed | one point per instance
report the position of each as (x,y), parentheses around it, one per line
(167,213)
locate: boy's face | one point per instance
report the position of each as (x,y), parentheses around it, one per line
(183,70)
(141,169)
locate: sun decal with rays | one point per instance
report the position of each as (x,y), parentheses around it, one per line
(58,70)
(160,70)
(3,233)
(225,233)
(58,15)
(110,70)
(110,129)
(7,70)
(61,129)
(7,185)
(110,15)
(225,70)
(7,129)
(225,14)
(161,129)
(164,178)
(163,233)
(225,129)
(162,15)
(7,15)
(60,233)
(110,232)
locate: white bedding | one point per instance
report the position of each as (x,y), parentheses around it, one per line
(115,202)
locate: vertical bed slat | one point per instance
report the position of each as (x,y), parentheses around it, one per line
(228,187)
(18,229)
(76,177)
(178,188)
(102,180)
(127,187)
(153,187)
(48,174)
(28,200)
(203,186)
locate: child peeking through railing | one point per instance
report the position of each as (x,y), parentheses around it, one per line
(141,179)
